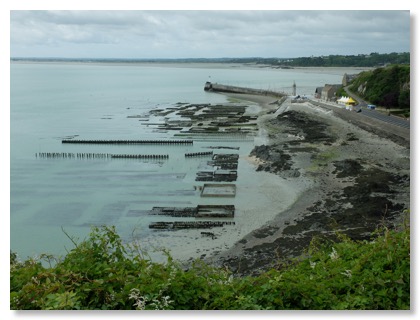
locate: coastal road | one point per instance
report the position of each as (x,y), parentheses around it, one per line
(391,127)
(365,112)
(383,117)
(362,104)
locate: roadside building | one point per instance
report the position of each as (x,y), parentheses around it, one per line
(329,91)
(347,78)
(318,92)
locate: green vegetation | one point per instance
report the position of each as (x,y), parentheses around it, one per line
(373,59)
(362,60)
(388,87)
(102,273)
(321,159)
(341,92)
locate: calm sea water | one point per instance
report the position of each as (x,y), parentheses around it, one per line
(50,102)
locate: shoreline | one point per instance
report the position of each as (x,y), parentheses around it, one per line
(329,176)
(204,65)
(188,245)
(352,190)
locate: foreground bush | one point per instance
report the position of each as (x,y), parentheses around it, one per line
(102,273)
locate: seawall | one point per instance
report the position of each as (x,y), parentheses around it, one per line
(216,87)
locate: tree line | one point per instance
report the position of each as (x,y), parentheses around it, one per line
(373,59)
(388,86)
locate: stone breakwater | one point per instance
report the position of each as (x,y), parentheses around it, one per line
(215,87)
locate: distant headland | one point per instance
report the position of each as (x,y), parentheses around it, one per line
(373,59)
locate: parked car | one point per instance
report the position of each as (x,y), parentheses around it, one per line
(371,106)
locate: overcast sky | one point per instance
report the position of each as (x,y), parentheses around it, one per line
(206,34)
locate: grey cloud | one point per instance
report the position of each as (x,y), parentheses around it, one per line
(208,33)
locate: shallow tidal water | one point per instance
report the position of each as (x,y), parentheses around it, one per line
(51,102)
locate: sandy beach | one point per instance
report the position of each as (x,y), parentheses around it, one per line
(306,183)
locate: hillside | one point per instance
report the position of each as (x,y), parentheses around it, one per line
(388,87)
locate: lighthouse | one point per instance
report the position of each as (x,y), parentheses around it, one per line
(294,89)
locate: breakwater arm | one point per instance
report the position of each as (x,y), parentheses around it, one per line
(215,87)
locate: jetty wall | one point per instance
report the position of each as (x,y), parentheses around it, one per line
(216,87)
